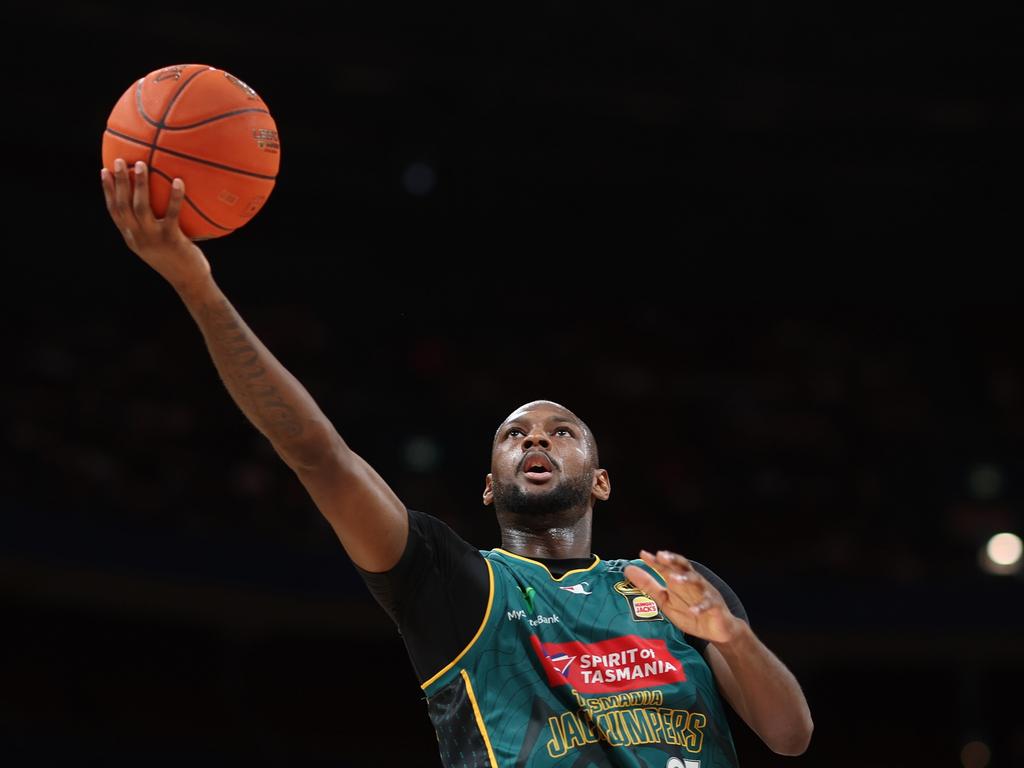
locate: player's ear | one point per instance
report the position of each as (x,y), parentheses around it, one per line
(488,489)
(602,487)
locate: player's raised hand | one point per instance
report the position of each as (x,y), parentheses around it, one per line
(688,600)
(158,242)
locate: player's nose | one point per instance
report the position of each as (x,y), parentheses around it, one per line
(536,439)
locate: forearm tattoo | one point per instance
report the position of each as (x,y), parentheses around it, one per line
(243,367)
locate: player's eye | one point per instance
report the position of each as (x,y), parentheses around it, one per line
(514,431)
(565,430)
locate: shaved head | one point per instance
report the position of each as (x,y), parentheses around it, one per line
(570,416)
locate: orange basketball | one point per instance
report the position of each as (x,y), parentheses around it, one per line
(208,128)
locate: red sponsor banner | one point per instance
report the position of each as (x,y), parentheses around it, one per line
(609,666)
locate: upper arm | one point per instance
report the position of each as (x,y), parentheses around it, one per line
(367,516)
(724,678)
(726,681)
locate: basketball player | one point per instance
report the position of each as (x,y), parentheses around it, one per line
(537,653)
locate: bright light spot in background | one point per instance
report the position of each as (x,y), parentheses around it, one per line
(985,481)
(1002,554)
(975,754)
(419,179)
(1004,548)
(422,454)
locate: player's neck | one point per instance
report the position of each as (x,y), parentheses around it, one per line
(558,541)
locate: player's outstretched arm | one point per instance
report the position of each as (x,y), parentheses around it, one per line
(366,514)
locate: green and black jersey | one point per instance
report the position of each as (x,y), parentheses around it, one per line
(575,669)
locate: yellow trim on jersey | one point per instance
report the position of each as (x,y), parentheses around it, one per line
(479,718)
(487,615)
(534,562)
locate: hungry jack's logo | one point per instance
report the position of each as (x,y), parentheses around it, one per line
(641,606)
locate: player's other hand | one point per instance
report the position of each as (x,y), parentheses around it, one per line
(158,242)
(688,600)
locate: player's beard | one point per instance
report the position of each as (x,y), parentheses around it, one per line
(568,498)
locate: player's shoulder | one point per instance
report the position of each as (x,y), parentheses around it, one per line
(436,532)
(618,565)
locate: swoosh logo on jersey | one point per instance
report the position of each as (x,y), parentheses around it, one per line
(578,589)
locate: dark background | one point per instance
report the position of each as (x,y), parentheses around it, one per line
(692,224)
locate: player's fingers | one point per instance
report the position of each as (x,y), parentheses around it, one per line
(684,583)
(140,195)
(671,558)
(107,182)
(709,600)
(685,579)
(641,579)
(667,599)
(688,586)
(665,562)
(174,206)
(121,194)
(648,558)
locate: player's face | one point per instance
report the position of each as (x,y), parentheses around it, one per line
(541,453)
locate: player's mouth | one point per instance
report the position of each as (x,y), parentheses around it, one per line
(537,467)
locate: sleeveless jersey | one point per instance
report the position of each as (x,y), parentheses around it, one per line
(577,671)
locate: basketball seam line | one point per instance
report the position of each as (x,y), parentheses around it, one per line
(213,119)
(154,147)
(163,126)
(170,103)
(196,207)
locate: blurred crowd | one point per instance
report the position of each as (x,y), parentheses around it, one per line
(820,441)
